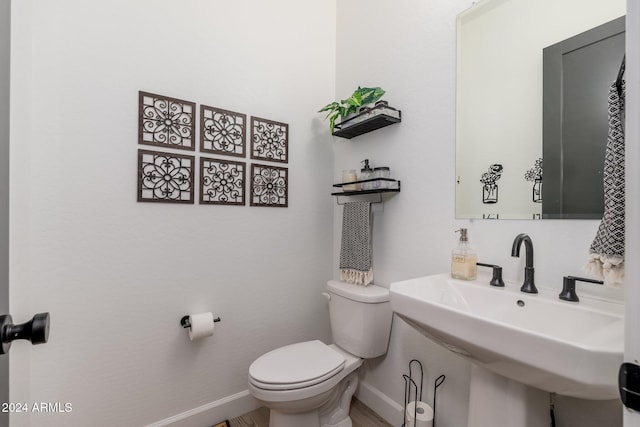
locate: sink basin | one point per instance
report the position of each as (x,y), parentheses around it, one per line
(573,349)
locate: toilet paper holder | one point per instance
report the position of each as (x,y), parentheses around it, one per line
(410,384)
(186,324)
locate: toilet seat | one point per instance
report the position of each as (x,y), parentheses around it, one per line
(296,366)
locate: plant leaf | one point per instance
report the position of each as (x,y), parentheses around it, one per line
(355,99)
(332,122)
(371,94)
(329,107)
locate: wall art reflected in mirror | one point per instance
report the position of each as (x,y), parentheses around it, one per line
(502,169)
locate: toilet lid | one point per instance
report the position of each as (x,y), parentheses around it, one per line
(296,366)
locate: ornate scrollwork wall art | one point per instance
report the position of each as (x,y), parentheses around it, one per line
(269,140)
(169,178)
(222,131)
(166,122)
(222,182)
(165,177)
(269,186)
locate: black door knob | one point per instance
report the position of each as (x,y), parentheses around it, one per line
(36,330)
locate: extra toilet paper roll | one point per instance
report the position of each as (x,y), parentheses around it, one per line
(201,325)
(423,415)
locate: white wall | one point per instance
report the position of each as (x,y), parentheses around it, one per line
(117,275)
(409,49)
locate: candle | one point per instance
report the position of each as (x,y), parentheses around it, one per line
(349,175)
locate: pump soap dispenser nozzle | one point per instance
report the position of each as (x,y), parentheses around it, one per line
(366,173)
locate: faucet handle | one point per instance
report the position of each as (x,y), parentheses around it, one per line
(496,280)
(569,287)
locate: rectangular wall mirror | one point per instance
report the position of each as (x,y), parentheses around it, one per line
(499,106)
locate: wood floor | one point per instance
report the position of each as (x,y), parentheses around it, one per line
(361,416)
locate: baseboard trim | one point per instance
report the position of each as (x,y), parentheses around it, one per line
(240,403)
(380,403)
(210,413)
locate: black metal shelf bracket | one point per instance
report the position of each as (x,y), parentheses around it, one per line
(373,201)
(375,191)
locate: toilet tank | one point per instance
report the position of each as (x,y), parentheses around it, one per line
(360,318)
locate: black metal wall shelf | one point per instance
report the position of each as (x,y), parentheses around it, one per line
(379,191)
(367,121)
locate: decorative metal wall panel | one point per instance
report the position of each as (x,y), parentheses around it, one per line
(166,122)
(222,182)
(165,177)
(269,140)
(269,186)
(222,131)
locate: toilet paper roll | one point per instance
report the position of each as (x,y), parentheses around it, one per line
(423,415)
(201,325)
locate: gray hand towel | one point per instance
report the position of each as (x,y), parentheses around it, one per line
(606,259)
(355,250)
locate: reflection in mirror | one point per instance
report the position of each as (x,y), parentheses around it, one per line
(500,101)
(577,73)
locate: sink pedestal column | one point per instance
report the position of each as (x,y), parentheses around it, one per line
(498,401)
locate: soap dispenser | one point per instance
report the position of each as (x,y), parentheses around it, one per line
(463,259)
(366,173)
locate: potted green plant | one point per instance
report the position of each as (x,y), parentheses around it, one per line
(360,97)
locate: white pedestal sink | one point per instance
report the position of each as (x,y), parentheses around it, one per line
(572,349)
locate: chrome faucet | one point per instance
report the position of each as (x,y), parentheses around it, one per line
(528,285)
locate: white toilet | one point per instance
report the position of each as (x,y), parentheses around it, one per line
(310,384)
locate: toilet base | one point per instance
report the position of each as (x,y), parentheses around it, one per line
(333,413)
(344,423)
(280,419)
